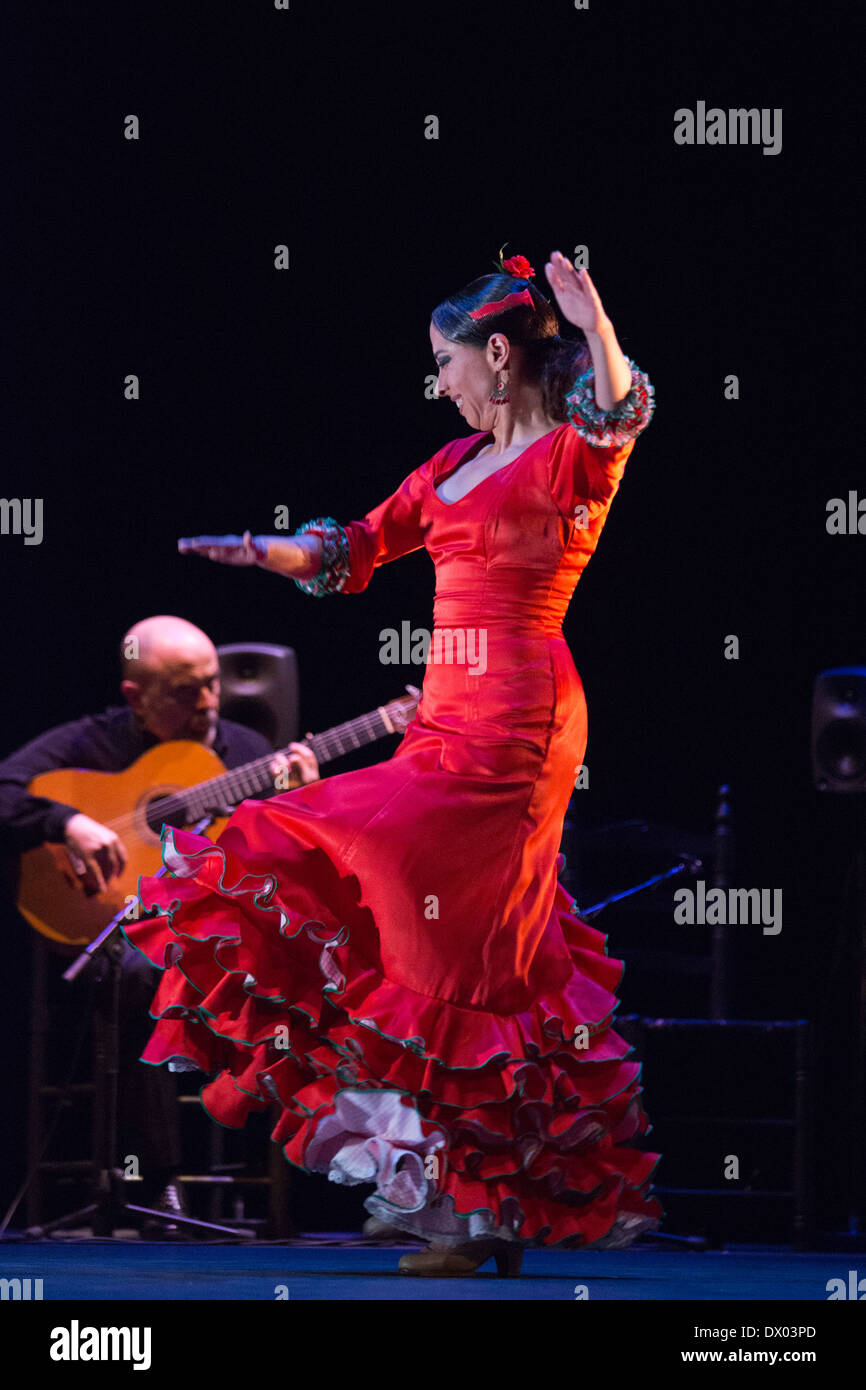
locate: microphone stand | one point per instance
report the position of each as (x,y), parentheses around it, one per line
(109,1202)
(687,864)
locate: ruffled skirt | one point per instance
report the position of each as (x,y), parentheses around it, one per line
(467,1121)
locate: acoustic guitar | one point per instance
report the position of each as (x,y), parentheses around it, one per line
(175,783)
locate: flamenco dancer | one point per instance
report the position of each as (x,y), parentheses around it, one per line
(388,953)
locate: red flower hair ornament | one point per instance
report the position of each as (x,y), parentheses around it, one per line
(520,269)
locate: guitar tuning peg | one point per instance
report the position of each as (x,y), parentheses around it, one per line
(413,690)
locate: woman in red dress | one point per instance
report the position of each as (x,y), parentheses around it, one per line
(388,953)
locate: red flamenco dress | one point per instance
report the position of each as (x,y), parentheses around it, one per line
(388,953)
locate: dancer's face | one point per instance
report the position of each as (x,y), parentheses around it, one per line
(467,376)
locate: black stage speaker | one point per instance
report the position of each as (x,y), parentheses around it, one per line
(259,688)
(839,730)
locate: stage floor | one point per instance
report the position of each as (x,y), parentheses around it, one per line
(325,1268)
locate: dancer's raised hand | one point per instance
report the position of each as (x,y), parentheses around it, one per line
(576,295)
(228,550)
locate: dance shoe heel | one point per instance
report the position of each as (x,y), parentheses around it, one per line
(374,1229)
(456,1261)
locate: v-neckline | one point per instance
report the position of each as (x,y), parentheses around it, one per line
(495,474)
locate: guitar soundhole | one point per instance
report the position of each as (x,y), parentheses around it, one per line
(155,815)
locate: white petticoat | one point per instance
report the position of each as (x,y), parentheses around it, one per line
(373,1138)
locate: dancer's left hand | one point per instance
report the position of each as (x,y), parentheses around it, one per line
(228,550)
(576,295)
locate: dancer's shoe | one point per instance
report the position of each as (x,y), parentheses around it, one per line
(374,1229)
(455,1261)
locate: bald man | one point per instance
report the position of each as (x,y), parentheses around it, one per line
(170,683)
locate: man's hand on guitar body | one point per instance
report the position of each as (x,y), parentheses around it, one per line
(95,852)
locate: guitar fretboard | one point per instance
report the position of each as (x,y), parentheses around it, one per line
(231,787)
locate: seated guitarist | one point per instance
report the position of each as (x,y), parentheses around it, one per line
(170,682)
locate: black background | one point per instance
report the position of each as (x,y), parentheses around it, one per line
(306,388)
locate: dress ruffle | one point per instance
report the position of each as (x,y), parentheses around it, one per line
(468,1122)
(603,428)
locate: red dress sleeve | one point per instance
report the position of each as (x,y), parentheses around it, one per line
(390,530)
(589,455)
(585,475)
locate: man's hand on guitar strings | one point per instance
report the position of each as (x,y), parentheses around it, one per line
(95,852)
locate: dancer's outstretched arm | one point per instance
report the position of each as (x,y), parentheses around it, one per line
(297,557)
(324,557)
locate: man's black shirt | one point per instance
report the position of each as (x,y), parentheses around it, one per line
(107,742)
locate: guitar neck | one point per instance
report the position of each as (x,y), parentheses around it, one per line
(355,733)
(231,787)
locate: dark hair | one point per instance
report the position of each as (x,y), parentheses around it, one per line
(551,360)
